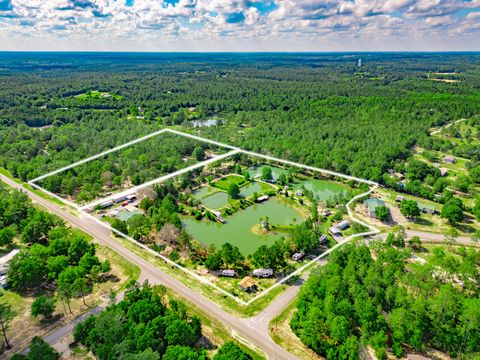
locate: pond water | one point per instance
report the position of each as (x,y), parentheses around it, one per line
(276,171)
(216,200)
(202,192)
(237,230)
(204,123)
(254,187)
(322,189)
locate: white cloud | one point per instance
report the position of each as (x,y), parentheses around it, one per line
(240,24)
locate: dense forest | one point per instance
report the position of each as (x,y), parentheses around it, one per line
(376,297)
(319,109)
(134,165)
(145,325)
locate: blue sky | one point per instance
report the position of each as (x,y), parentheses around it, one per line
(240,25)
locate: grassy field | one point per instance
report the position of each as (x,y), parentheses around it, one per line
(95,94)
(225,182)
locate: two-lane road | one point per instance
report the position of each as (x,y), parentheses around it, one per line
(242,328)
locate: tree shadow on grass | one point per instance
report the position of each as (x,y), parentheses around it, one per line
(423,222)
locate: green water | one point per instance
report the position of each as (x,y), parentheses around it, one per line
(254,187)
(257,171)
(216,201)
(322,189)
(203,191)
(237,230)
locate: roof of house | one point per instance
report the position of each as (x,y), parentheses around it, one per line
(343,224)
(373,203)
(247,282)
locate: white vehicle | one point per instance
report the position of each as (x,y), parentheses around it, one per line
(263,273)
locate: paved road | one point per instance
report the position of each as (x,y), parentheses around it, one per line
(250,334)
(438,238)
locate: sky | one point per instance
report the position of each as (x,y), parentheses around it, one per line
(240,25)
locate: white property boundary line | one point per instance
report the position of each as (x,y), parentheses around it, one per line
(159,180)
(234,150)
(143,138)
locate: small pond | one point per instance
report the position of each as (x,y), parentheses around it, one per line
(238,228)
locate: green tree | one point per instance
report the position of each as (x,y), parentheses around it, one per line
(267,174)
(415,242)
(382,213)
(234,191)
(43,306)
(198,153)
(452,212)
(7,235)
(410,209)
(178,352)
(41,350)
(231,351)
(6,316)
(120,225)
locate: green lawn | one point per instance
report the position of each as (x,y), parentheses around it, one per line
(228,180)
(95,94)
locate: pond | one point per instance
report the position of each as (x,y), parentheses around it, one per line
(216,200)
(204,123)
(237,229)
(256,171)
(254,187)
(322,189)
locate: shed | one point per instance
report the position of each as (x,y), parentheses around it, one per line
(247,284)
(334,231)
(120,199)
(372,204)
(263,273)
(106,204)
(399,198)
(323,239)
(262,198)
(342,225)
(443,171)
(450,159)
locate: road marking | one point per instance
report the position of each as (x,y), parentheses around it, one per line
(234,150)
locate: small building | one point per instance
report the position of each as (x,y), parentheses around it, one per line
(106,204)
(326,213)
(323,239)
(443,171)
(298,256)
(450,159)
(262,198)
(228,273)
(399,198)
(398,175)
(247,284)
(299,193)
(342,225)
(265,273)
(131,197)
(334,231)
(120,199)
(372,204)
